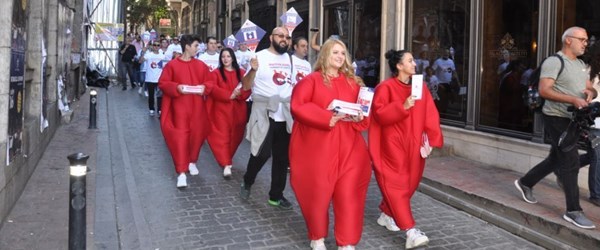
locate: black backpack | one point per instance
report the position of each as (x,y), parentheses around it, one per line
(532,97)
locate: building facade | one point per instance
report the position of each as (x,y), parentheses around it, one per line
(43,41)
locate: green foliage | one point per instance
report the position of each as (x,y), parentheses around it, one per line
(148,12)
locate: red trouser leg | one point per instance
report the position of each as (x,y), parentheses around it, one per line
(398,187)
(198,133)
(181,138)
(349,203)
(313,192)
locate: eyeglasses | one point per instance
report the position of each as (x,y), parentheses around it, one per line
(156,44)
(282,36)
(581,39)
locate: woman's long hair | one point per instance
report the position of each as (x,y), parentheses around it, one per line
(234,64)
(592,58)
(323,63)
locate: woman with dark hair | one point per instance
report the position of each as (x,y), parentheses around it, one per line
(329,160)
(227,110)
(401,133)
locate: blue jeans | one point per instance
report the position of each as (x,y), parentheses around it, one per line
(592,158)
(142,78)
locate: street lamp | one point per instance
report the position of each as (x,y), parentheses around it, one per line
(236,14)
(271,3)
(204,24)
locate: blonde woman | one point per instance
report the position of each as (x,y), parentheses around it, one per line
(329,159)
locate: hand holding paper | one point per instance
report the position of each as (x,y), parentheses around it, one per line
(417,87)
(188,89)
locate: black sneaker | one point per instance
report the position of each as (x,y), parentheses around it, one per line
(578,219)
(526,192)
(282,203)
(124,88)
(595,201)
(245,192)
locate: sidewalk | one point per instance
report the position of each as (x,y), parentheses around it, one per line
(40,218)
(489,193)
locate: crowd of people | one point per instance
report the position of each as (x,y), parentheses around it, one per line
(281,104)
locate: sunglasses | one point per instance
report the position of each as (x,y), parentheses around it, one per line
(282,36)
(156,44)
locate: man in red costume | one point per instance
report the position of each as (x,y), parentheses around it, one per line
(399,128)
(185,81)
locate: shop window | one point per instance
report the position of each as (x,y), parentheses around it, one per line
(440,44)
(510,31)
(366,42)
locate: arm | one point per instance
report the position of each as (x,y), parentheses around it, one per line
(313,42)
(248,79)
(590,92)
(166,83)
(385,111)
(547,91)
(220,92)
(307,112)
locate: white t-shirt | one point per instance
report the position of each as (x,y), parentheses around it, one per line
(243,58)
(155,63)
(443,69)
(272,77)
(300,70)
(212,61)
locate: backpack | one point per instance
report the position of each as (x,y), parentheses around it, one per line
(532,97)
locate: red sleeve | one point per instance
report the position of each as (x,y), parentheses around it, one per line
(244,94)
(208,78)
(385,111)
(166,83)
(304,110)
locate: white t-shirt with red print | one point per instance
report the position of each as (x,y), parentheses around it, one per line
(272,77)
(155,63)
(212,61)
(300,70)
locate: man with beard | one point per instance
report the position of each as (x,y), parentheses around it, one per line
(270,122)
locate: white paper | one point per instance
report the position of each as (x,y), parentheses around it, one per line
(343,107)
(199,89)
(417,87)
(365,98)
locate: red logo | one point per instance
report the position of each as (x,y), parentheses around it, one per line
(279,78)
(299,76)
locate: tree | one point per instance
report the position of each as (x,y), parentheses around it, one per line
(146,12)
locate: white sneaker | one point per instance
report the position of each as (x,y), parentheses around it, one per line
(415,238)
(318,244)
(193,169)
(227,172)
(388,222)
(140,91)
(151,112)
(146,93)
(181,181)
(348,247)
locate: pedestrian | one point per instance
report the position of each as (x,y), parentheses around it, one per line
(403,130)
(128,53)
(143,67)
(185,124)
(329,159)
(270,122)
(300,66)
(211,57)
(227,112)
(154,62)
(445,71)
(243,55)
(571,87)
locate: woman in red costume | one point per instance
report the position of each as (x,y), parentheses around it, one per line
(400,126)
(329,159)
(184,120)
(228,109)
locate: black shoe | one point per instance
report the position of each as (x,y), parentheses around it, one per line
(526,192)
(595,201)
(578,219)
(124,88)
(245,192)
(282,203)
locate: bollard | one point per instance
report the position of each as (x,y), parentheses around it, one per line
(77,202)
(93,101)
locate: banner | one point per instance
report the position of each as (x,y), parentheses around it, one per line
(230,42)
(164,22)
(16,80)
(250,34)
(291,20)
(109,31)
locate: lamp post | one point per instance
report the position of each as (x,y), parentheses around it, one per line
(93,101)
(77,202)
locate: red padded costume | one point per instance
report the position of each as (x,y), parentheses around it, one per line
(328,163)
(395,137)
(184,120)
(228,117)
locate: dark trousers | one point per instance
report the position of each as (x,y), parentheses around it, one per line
(565,164)
(127,68)
(151,91)
(277,142)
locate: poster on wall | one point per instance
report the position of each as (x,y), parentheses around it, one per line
(17,80)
